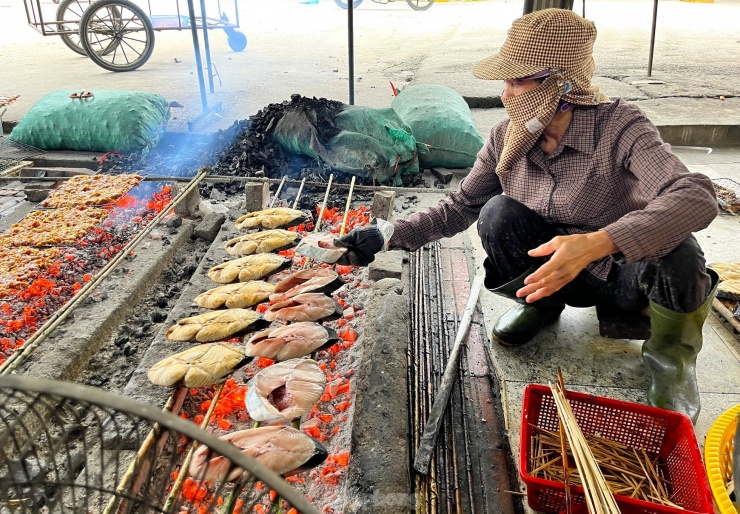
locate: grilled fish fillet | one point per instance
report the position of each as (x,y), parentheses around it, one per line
(726,270)
(285,390)
(304,281)
(234,296)
(303,307)
(285,450)
(199,366)
(270,218)
(252,267)
(261,242)
(212,326)
(290,341)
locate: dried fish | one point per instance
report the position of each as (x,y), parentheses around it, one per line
(237,295)
(316,280)
(262,242)
(199,366)
(270,218)
(212,326)
(252,267)
(290,341)
(304,307)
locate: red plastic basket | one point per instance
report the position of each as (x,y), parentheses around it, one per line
(668,434)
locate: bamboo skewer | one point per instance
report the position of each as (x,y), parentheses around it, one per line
(599,497)
(323,205)
(184,468)
(346,207)
(297,196)
(277,193)
(564,453)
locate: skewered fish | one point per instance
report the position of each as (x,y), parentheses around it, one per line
(320,247)
(285,450)
(199,366)
(262,242)
(270,218)
(304,307)
(212,326)
(285,390)
(308,280)
(252,267)
(237,295)
(290,341)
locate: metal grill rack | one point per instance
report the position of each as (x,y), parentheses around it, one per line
(71,448)
(13,153)
(727,184)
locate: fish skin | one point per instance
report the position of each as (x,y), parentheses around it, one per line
(289,341)
(283,449)
(304,281)
(301,381)
(212,326)
(273,217)
(251,267)
(199,366)
(303,307)
(238,295)
(261,242)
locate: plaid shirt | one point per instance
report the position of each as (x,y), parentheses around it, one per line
(610,171)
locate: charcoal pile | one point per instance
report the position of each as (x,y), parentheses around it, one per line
(246,149)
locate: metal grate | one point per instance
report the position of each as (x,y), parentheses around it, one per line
(71,448)
(12,153)
(728,194)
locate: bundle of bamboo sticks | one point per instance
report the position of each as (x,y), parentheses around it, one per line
(603,467)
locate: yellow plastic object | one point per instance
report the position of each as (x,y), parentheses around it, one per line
(718,458)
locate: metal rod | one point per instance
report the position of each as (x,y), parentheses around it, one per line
(323,205)
(198,62)
(298,196)
(652,38)
(220,179)
(56,319)
(277,193)
(183,469)
(206,44)
(431,429)
(468,458)
(351,53)
(346,207)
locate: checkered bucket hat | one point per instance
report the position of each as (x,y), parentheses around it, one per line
(554,40)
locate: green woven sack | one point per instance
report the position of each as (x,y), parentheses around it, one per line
(122,121)
(439,117)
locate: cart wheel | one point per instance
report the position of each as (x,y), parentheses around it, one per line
(343,3)
(237,41)
(71,11)
(117,35)
(420,5)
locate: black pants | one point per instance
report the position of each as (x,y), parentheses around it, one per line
(677,281)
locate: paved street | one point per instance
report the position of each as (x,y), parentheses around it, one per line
(297,48)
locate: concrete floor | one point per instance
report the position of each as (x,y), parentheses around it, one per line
(613,367)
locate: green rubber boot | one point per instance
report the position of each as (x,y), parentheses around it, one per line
(523,321)
(670,355)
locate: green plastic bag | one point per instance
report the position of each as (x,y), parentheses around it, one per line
(364,141)
(438,116)
(122,121)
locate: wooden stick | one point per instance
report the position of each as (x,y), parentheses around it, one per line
(346,207)
(298,196)
(564,453)
(277,193)
(431,429)
(184,468)
(323,205)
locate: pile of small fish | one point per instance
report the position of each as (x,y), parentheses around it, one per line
(282,391)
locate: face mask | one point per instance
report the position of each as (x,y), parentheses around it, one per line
(529,114)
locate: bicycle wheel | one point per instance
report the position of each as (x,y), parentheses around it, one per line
(343,3)
(117,35)
(420,5)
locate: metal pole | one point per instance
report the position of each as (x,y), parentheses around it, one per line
(204,20)
(198,62)
(351,41)
(652,39)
